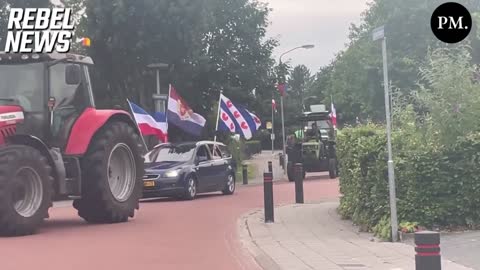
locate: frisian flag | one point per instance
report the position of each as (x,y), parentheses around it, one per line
(150,124)
(236,119)
(182,116)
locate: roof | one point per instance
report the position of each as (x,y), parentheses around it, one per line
(208,142)
(315,116)
(18,58)
(187,143)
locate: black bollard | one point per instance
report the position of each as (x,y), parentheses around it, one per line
(280,159)
(427,247)
(270,167)
(245,174)
(299,183)
(268,197)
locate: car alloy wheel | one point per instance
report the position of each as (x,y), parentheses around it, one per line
(231,183)
(192,188)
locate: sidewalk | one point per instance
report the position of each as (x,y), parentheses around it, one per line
(261,165)
(312,236)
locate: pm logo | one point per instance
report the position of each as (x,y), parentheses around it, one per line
(451,22)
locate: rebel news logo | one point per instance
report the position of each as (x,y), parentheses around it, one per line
(451,22)
(39,30)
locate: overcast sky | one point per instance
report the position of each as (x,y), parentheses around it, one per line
(324,23)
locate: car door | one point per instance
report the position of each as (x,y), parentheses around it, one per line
(220,167)
(204,169)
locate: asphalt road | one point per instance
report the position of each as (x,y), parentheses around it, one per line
(165,234)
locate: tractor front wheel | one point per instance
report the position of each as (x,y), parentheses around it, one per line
(112,173)
(26,187)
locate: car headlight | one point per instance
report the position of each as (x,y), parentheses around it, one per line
(172,174)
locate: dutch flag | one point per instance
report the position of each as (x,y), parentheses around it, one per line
(150,125)
(236,119)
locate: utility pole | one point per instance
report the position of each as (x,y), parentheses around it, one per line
(379,34)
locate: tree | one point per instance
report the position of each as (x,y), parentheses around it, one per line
(355,76)
(5,7)
(210,45)
(300,79)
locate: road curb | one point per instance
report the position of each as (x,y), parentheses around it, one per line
(261,258)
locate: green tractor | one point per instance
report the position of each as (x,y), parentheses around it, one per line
(314,144)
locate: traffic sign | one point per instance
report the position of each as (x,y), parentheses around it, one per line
(378,33)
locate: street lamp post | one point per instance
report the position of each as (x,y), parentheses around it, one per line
(379,34)
(158,98)
(284,149)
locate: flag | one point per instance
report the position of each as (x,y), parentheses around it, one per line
(148,124)
(237,119)
(282,88)
(182,116)
(274,105)
(333,116)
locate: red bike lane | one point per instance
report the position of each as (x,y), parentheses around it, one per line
(165,234)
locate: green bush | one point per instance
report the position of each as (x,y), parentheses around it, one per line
(436,150)
(252,148)
(236,148)
(436,185)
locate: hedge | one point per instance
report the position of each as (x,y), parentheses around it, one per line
(242,150)
(252,148)
(435,185)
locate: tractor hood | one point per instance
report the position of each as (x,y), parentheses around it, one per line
(10,115)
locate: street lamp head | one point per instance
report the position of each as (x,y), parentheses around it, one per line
(309,46)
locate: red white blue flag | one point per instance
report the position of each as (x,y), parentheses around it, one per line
(182,116)
(150,124)
(333,116)
(237,119)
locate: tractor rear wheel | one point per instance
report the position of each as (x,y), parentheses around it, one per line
(26,187)
(112,173)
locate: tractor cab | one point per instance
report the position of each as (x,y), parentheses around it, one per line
(51,90)
(314,144)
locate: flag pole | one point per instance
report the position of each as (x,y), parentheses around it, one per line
(273,126)
(136,124)
(166,111)
(218,115)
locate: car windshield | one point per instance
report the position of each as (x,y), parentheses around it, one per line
(22,85)
(172,153)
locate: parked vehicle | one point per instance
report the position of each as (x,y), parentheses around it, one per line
(187,169)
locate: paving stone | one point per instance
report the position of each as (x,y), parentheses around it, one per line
(312,236)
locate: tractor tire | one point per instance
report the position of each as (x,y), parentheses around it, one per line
(26,190)
(332,168)
(112,175)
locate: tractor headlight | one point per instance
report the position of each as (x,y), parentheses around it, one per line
(172,173)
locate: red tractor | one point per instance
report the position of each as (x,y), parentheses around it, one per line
(54,143)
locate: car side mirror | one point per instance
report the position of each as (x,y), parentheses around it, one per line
(72,74)
(201,159)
